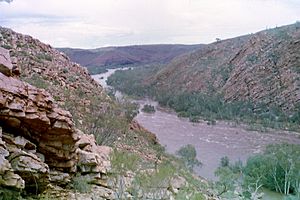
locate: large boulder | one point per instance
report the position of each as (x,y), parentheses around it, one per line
(5,62)
(33,171)
(7,176)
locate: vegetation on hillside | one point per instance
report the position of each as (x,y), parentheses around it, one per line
(155,179)
(207,106)
(94,112)
(276,169)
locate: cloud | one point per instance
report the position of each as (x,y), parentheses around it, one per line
(95,23)
(8,1)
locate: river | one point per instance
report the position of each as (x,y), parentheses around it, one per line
(212,142)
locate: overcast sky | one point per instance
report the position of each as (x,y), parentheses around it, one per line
(97,23)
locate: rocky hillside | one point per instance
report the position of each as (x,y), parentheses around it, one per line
(40,145)
(101,58)
(261,67)
(73,89)
(54,122)
(46,68)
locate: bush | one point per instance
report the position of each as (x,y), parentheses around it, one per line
(277,169)
(188,194)
(80,184)
(6,194)
(108,127)
(122,162)
(43,56)
(188,155)
(148,108)
(38,81)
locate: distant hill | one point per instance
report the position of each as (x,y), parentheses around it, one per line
(108,57)
(261,67)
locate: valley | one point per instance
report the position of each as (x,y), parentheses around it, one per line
(212,142)
(149,100)
(214,113)
(195,117)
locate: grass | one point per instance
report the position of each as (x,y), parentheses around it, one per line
(37,80)
(80,184)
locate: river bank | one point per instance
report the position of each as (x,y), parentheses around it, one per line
(212,142)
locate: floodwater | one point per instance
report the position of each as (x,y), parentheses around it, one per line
(212,142)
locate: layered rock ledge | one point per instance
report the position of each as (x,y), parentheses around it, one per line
(39,143)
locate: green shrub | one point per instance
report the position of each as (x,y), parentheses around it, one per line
(189,194)
(188,155)
(148,108)
(107,127)
(81,184)
(43,56)
(277,169)
(122,162)
(37,80)
(6,194)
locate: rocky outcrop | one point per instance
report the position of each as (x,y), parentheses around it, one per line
(68,83)
(40,144)
(26,162)
(5,62)
(8,178)
(93,160)
(33,113)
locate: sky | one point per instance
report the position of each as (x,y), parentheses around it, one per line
(98,23)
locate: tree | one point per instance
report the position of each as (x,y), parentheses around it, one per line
(278,169)
(255,174)
(188,155)
(227,180)
(225,161)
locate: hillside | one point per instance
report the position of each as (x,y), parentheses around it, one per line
(63,137)
(99,59)
(261,67)
(255,75)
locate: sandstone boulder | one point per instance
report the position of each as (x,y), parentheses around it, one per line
(5,62)
(59,178)
(7,176)
(33,171)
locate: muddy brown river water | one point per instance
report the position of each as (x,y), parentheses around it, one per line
(212,142)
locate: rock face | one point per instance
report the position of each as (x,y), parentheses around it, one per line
(8,178)
(5,62)
(32,111)
(40,144)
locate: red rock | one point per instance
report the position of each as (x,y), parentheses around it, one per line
(5,62)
